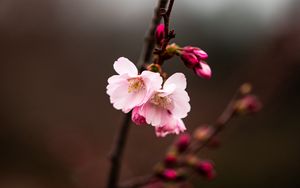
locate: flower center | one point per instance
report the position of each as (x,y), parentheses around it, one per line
(161,101)
(135,84)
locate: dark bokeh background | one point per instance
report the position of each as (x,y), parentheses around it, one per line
(57,124)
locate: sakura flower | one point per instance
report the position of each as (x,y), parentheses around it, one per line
(167,105)
(174,126)
(129,89)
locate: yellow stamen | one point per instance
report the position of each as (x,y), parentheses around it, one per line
(161,101)
(135,84)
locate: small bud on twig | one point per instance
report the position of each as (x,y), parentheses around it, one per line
(248,105)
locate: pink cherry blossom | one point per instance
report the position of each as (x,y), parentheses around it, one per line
(168,105)
(129,89)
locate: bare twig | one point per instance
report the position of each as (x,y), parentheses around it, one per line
(218,126)
(167,34)
(117,152)
(146,55)
(166,15)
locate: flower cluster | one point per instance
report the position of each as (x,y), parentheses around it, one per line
(162,105)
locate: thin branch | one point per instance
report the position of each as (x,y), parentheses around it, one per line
(118,147)
(117,152)
(146,55)
(166,16)
(219,125)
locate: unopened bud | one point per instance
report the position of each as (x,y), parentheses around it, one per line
(170,174)
(245,88)
(160,33)
(248,105)
(203,133)
(203,70)
(200,54)
(170,159)
(191,159)
(206,169)
(183,142)
(189,59)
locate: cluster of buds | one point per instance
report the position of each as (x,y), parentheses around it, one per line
(193,57)
(174,166)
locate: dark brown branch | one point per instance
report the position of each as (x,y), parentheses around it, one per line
(166,15)
(167,34)
(117,152)
(118,147)
(150,39)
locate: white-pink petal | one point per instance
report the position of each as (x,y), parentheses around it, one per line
(174,126)
(125,66)
(178,79)
(181,104)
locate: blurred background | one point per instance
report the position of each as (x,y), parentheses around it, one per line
(57,124)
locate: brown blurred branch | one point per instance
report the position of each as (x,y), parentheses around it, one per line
(118,147)
(168,35)
(219,124)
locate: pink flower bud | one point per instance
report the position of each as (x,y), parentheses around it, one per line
(200,54)
(170,160)
(189,59)
(206,169)
(160,33)
(183,142)
(136,117)
(203,133)
(203,70)
(170,174)
(248,104)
